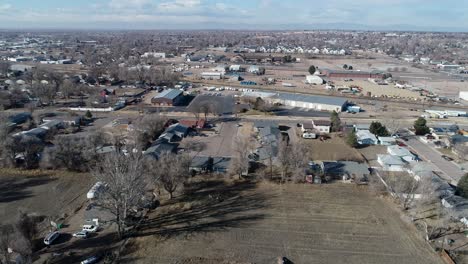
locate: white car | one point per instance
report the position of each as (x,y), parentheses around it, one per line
(90,228)
(49,239)
(81,234)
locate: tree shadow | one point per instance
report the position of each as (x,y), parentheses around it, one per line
(16,188)
(207,206)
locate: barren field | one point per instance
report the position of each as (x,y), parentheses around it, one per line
(46,193)
(331,149)
(249,223)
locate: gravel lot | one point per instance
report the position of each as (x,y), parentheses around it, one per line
(249,223)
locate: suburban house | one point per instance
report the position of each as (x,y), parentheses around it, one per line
(314,79)
(307,127)
(194,124)
(387,141)
(169,97)
(391,163)
(269,137)
(444,130)
(159,147)
(344,170)
(322,126)
(401,152)
(365,137)
(175,132)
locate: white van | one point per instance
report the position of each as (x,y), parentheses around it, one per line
(90,228)
(49,239)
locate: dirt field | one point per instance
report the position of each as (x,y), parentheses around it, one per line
(248,223)
(45,193)
(331,149)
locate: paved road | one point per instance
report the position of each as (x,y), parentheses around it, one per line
(451,171)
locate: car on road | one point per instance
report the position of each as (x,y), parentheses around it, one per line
(49,239)
(401,144)
(92,259)
(447,158)
(81,234)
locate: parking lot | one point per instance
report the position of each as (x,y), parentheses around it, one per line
(218,143)
(223,105)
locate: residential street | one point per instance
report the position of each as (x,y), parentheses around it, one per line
(452,172)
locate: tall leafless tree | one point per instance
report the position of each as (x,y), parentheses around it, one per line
(240,162)
(170,171)
(125,180)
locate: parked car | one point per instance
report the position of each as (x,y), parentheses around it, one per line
(447,158)
(49,239)
(92,259)
(81,234)
(90,228)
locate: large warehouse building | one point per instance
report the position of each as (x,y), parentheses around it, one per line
(168,97)
(313,102)
(353,74)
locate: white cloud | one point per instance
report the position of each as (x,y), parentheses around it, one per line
(5,7)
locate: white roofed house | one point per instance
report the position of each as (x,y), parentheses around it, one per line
(314,79)
(365,137)
(391,163)
(401,152)
(387,141)
(220,68)
(253,69)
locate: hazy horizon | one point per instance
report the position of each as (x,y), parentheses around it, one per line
(372,15)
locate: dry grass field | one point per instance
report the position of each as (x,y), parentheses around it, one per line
(255,223)
(47,193)
(331,149)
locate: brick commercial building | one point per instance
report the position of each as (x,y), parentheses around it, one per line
(168,97)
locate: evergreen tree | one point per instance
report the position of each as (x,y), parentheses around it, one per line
(462,187)
(335,122)
(88,115)
(352,139)
(312,69)
(420,126)
(378,129)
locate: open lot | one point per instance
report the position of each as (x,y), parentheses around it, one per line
(255,223)
(334,148)
(45,193)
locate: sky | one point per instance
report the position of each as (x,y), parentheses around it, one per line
(427,15)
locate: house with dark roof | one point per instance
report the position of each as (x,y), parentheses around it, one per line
(175,132)
(344,170)
(159,147)
(169,97)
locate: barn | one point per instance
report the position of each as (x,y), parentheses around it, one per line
(168,97)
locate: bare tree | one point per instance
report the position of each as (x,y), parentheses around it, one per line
(170,171)
(284,159)
(70,152)
(125,181)
(6,240)
(241,161)
(25,233)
